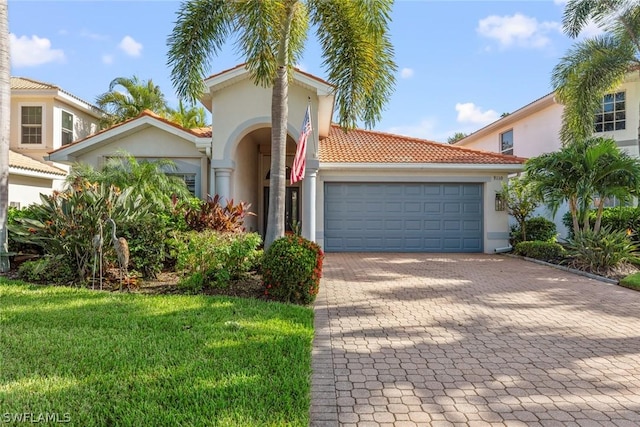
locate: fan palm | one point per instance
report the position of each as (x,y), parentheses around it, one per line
(596,65)
(271,35)
(127,97)
(583,172)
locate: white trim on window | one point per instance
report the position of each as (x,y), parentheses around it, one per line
(43,125)
(64,131)
(506,149)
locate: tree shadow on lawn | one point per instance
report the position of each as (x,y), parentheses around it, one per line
(122,359)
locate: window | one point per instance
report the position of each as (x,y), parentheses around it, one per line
(611,114)
(67,128)
(189,179)
(31,125)
(506,143)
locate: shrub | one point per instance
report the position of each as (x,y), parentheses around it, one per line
(14,217)
(48,270)
(214,258)
(212,215)
(291,270)
(538,229)
(545,251)
(146,238)
(600,252)
(619,218)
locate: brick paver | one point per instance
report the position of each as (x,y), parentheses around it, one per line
(430,339)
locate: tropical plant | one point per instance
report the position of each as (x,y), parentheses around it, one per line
(456,137)
(151,180)
(291,270)
(127,97)
(271,35)
(594,65)
(520,202)
(601,251)
(70,219)
(538,229)
(212,215)
(5,106)
(584,173)
(188,117)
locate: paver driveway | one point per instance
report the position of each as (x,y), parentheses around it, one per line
(426,339)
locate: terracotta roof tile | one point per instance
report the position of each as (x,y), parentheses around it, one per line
(22,83)
(20,161)
(362,146)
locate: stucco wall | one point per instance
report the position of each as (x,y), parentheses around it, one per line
(26,190)
(495,225)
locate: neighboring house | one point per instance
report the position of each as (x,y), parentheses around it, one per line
(43,118)
(362,191)
(534,129)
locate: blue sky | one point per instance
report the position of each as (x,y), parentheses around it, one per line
(460,63)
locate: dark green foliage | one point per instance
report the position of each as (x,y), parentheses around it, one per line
(211,258)
(213,215)
(291,270)
(48,270)
(13,217)
(619,218)
(545,251)
(146,238)
(538,228)
(600,252)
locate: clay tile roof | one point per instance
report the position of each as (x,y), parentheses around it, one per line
(20,83)
(20,161)
(362,146)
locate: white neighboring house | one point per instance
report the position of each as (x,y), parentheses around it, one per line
(362,191)
(43,118)
(535,128)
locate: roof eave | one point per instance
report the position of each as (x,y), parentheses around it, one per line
(33,173)
(512,167)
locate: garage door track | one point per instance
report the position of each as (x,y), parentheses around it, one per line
(429,339)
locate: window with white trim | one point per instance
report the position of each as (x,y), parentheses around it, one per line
(67,128)
(611,114)
(31,125)
(506,142)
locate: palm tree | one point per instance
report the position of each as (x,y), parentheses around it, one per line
(594,66)
(271,35)
(5,110)
(128,97)
(584,173)
(188,118)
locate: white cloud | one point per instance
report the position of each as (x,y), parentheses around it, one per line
(93,36)
(425,129)
(468,112)
(32,51)
(130,46)
(406,73)
(107,59)
(517,30)
(591,29)
(560,2)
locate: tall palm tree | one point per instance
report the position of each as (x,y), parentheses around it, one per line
(271,36)
(127,97)
(5,110)
(188,117)
(596,65)
(584,173)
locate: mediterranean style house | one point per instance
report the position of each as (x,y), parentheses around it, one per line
(534,129)
(43,118)
(362,190)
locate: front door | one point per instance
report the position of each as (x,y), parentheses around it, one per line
(291,208)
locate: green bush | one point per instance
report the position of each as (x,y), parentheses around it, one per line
(291,270)
(14,216)
(600,252)
(619,218)
(214,258)
(545,251)
(48,270)
(537,228)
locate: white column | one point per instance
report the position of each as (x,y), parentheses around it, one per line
(223,183)
(212,182)
(309,204)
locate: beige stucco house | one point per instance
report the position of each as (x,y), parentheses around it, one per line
(362,191)
(43,118)
(535,128)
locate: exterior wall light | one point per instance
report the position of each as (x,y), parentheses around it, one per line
(500,203)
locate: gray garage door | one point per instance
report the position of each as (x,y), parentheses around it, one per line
(403,217)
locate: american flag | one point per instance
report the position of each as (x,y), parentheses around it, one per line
(299,161)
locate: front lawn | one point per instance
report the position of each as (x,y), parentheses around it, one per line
(129,359)
(632,281)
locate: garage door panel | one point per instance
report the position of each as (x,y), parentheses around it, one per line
(403,217)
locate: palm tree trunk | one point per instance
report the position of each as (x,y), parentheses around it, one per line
(5,109)
(573,208)
(279,118)
(596,226)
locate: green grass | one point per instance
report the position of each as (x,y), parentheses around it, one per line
(632,281)
(131,360)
